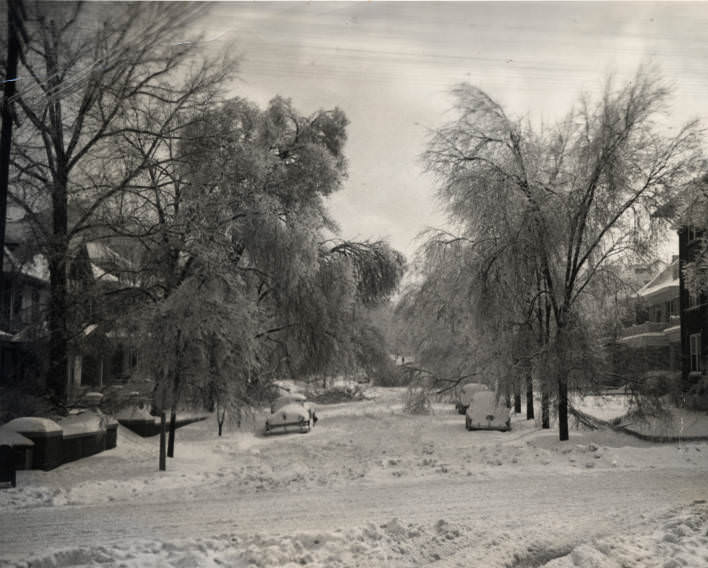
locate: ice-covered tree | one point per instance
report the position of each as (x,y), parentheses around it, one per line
(584,192)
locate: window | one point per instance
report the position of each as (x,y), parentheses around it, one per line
(6,301)
(16,313)
(694,342)
(35,305)
(692,233)
(692,298)
(658,314)
(674,307)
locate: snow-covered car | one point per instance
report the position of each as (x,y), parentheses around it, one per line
(291,415)
(486,412)
(287,399)
(291,410)
(465,394)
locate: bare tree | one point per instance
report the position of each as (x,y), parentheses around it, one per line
(85,67)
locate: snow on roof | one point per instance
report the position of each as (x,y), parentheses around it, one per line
(89,329)
(100,274)
(666,281)
(9,437)
(37,268)
(33,424)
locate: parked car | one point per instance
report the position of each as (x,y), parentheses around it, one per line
(465,394)
(486,412)
(291,410)
(287,399)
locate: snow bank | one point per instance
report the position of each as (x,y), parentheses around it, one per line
(393,543)
(677,538)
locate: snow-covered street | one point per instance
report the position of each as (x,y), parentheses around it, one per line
(368,486)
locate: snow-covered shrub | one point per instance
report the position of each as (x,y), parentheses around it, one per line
(417,400)
(697,395)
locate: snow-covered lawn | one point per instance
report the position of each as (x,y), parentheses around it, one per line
(368,486)
(672,423)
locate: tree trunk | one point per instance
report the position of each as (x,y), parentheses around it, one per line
(563,408)
(517,396)
(171,440)
(529,398)
(545,410)
(176,392)
(163,459)
(57,373)
(220,417)
(13,48)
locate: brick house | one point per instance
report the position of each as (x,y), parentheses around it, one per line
(694,309)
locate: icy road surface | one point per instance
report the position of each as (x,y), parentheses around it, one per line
(368,486)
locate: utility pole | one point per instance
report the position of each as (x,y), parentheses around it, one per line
(14,28)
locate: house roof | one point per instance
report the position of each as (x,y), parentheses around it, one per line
(37,267)
(664,283)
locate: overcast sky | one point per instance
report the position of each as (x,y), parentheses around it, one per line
(390,66)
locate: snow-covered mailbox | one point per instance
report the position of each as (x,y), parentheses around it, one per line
(46,436)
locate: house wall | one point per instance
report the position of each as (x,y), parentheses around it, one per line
(24,302)
(694,319)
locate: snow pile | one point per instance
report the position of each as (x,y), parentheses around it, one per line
(680,539)
(393,543)
(30,496)
(676,538)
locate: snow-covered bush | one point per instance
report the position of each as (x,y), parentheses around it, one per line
(417,400)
